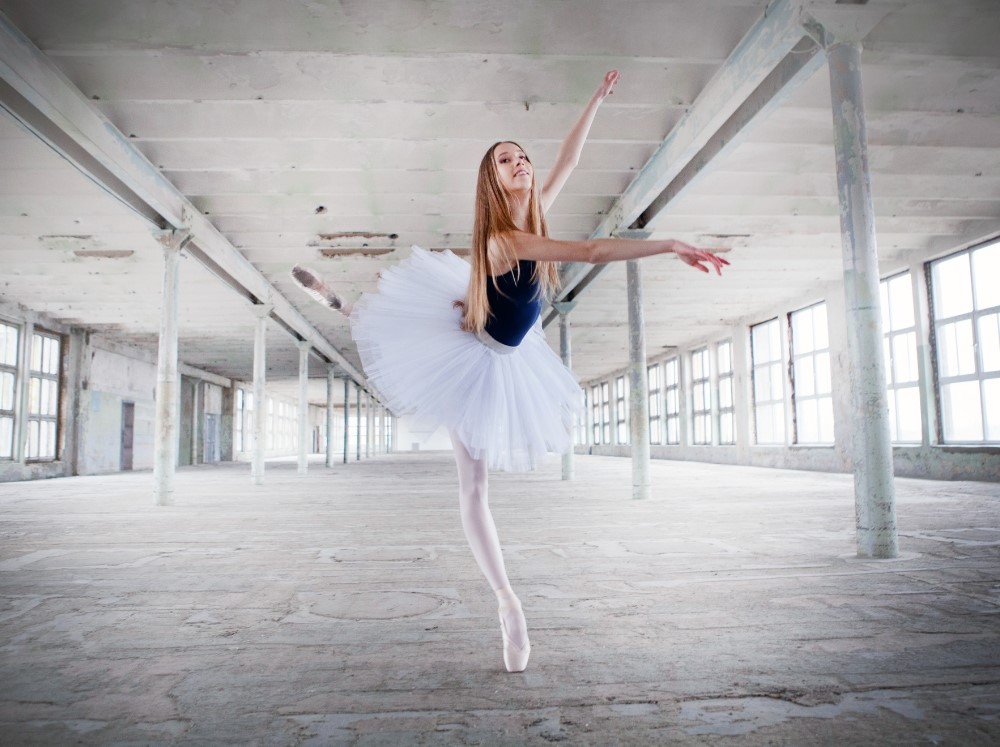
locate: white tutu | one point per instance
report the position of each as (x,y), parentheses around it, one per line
(509,405)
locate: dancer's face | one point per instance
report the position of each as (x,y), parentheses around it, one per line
(513,168)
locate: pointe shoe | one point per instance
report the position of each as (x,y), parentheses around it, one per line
(515,657)
(313,284)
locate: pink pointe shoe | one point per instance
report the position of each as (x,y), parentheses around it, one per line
(515,657)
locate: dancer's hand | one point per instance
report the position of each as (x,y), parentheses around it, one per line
(607,86)
(694,257)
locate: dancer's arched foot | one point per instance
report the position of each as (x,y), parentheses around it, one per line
(514,629)
(319,291)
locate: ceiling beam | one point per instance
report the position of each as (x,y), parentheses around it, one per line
(37,93)
(774,57)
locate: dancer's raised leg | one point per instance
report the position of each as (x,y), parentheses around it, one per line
(481,533)
(318,290)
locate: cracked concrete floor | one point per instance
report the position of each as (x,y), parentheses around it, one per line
(344,607)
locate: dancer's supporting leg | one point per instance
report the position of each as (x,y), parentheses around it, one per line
(313,284)
(481,532)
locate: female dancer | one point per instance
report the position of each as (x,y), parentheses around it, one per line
(451,345)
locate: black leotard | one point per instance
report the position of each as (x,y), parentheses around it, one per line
(516,306)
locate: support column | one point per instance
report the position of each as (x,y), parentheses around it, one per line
(166,443)
(369,424)
(357,431)
(304,348)
(347,417)
(874,491)
(566,353)
(330,378)
(262,311)
(638,383)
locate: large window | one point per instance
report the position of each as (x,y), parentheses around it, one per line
(43,397)
(655,378)
(899,345)
(768,382)
(605,413)
(701,394)
(672,400)
(621,409)
(811,390)
(595,414)
(724,367)
(966,297)
(9,339)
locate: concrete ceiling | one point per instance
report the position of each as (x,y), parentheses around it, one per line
(283,130)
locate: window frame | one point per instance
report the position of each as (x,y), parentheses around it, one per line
(702,432)
(726,382)
(777,371)
(32,437)
(672,415)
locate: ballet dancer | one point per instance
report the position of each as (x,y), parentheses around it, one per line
(446,343)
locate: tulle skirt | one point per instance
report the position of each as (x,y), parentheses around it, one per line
(509,405)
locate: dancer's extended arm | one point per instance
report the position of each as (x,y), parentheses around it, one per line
(569,151)
(599,251)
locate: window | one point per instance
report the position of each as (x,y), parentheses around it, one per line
(43,396)
(594,402)
(579,423)
(724,366)
(605,413)
(654,376)
(768,382)
(621,409)
(966,299)
(672,400)
(811,390)
(899,345)
(9,339)
(701,392)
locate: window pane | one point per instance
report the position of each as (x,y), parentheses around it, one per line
(991,395)
(963,416)
(8,344)
(802,331)
(32,439)
(725,357)
(762,384)
(823,384)
(908,415)
(904,357)
(725,393)
(808,422)
(6,390)
(986,270)
(989,341)
(6,438)
(726,435)
(777,388)
(760,342)
(805,377)
(900,302)
(955,348)
(952,287)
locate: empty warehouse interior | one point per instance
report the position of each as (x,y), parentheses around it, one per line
(779,521)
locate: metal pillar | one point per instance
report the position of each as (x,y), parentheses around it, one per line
(263,311)
(357,420)
(874,492)
(347,417)
(330,378)
(369,424)
(167,380)
(304,348)
(566,353)
(638,385)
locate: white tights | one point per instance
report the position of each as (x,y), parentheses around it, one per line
(481,533)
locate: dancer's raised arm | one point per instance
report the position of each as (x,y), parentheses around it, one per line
(572,146)
(598,251)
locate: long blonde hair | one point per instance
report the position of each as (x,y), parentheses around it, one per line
(494,220)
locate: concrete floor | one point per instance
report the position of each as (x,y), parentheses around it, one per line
(344,608)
